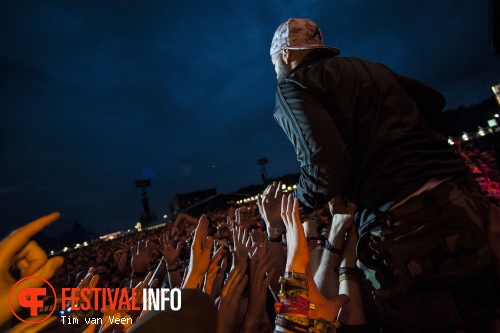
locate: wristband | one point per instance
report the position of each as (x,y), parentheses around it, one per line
(349,277)
(293,284)
(324,326)
(274,232)
(350,271)
(300,324)
(290,308)
(329,247)
(290,327)
(294,305)
(284,321)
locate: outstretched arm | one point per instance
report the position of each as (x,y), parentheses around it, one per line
(324,157)
(353,312)
(182,217)
(299,290)
(326,276)
(270,209)
(200,255)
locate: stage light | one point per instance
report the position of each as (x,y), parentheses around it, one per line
(480,131)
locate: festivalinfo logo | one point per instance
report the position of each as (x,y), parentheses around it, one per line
(85,299)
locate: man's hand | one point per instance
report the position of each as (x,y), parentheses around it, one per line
(29,257)
(343,219)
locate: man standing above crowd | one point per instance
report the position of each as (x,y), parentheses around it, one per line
(362,130)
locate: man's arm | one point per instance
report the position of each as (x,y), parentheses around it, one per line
(429,102)
(324,157)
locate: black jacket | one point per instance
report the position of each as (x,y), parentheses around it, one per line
(360,129)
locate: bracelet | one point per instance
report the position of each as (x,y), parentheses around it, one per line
(294,305)
(290,308)
(308,239)
(329,247)
(324,326)
(292,324)
(275,231)
(275,239)
(349,277)
(300,324)
(293,284)
(350,271)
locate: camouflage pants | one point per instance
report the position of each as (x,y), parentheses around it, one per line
(429,264)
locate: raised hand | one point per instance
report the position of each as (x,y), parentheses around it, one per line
(230,297)
(297,251)
(270,205)
(29,257)
(243,217)
(200,254)
(212,270)
(148,282)
(182,218)
(141,256)
(241,244)
(261,273)
(258,237)
(224,231)
(219,279)
(89,281)
(168,251)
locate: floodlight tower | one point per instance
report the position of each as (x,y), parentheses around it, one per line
(147,216)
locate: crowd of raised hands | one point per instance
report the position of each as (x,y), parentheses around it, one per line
(248,260)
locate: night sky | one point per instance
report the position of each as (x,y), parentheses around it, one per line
(95,94)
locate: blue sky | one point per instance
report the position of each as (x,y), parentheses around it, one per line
(95,94)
